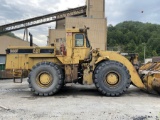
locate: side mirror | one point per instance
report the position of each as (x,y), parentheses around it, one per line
(84,29)
(87,28)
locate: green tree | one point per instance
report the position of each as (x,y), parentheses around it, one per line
(130,36)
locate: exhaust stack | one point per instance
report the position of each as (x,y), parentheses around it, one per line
(31,39)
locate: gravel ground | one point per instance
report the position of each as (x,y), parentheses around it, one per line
(75,102)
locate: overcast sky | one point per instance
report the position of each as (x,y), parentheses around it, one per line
(116,11)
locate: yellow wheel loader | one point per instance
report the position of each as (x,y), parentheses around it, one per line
(72,60)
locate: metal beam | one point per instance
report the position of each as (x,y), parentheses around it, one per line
(42,19)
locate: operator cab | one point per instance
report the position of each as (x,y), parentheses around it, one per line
(81,45)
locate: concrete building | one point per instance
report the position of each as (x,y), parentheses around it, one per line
(60,24)
(156,59)
(148,60)
(95,8)
(95,20)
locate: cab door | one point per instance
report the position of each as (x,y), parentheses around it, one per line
(81,49)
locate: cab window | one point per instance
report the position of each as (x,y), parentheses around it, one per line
(79,40)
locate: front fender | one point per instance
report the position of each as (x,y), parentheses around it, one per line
(101,59)
(110,55)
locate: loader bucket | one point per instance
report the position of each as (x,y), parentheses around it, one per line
(156,85)
(150,73)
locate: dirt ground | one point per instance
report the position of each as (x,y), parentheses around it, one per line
(75,102)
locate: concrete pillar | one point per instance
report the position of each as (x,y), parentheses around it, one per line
(95,8)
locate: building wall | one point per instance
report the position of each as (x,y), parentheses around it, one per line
(97,33)
(148,60)
(95,8)
(156,59)
(60,24)
(56,34)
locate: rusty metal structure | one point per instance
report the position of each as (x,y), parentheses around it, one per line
(42,19)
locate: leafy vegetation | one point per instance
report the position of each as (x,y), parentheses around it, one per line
(132,37)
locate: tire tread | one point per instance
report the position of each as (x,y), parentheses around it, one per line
(97,71)
(60,82)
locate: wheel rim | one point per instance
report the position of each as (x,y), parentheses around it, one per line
(44,79)
(112,79)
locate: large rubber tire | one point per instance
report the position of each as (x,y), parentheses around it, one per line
(121,78)
(53,72)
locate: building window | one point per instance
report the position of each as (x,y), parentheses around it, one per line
(79,40)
